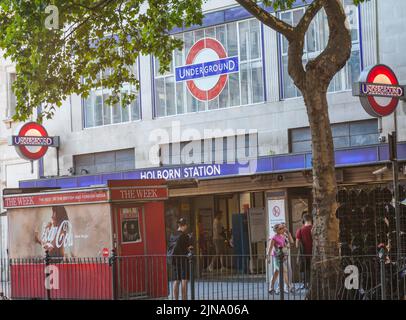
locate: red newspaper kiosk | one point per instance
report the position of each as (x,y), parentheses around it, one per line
(102,243)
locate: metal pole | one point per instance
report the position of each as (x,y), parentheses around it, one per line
(112,263)
(192,275)
(57,162)
(281,284)
(381,255)
(47,275)
(395,173)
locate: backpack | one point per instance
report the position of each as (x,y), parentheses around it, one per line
(173,246)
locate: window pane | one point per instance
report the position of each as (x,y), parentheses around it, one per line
(170,96)
(301,134)
(341,142)
(297,15)
(116,113)
(135,110)
(304,146)
(98,111)
(11,96)
(354,68)
(125,113)
(221,35)
(364,139)
(234,88)
(210,33)
(223,97)
(214,104)
(255,39)
(199,34)
(244,40)
(188,42)
(364,127)
(180,99)
(160,96)
(232,39)
(179,54)
(257,82)
(311,35)
(288,85)
(340,129)
(244,83)
(106,109)
(89,110)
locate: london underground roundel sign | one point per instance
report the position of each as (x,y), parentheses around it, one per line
(379,90)
(206,69)
(32,141)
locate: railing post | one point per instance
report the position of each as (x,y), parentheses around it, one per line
(112,263)
(192,275)
(47,275)
(381,255)
(281,282)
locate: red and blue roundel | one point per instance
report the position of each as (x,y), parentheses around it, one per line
(32,141)
(207,68)
(379,90)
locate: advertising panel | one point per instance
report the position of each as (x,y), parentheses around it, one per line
(65,231)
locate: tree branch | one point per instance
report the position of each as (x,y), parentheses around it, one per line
(102,3)
(308,16)
(268,19)
(338,49)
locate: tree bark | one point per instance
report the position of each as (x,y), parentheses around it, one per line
(325,264)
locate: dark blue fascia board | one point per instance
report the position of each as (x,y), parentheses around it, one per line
(230,15)
(368,155)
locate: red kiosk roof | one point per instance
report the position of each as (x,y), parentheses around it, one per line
(116,191)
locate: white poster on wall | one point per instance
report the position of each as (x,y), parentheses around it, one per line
(257,224)
(276,214)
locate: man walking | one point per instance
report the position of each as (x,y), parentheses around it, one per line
(304,243)
(180,244)
(218,241)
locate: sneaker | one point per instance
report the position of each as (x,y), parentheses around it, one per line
(272,291)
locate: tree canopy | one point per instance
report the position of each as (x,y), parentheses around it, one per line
(91,38)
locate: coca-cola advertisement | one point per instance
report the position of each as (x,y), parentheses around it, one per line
(63,231)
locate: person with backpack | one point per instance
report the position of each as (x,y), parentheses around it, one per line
(179,249)
(304,242)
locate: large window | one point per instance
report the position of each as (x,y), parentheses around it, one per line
(101,162)
(345,135)
(315,41)
(98,113)
(242,39)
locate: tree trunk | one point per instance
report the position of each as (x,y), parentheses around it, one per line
(325,265)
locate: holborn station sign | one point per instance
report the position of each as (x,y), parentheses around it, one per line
(379,90)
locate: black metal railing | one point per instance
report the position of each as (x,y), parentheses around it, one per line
(236,277)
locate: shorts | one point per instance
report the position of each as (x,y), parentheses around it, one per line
(180,269)
(276,263)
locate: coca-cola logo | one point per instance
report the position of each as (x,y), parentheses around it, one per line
(61,235)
